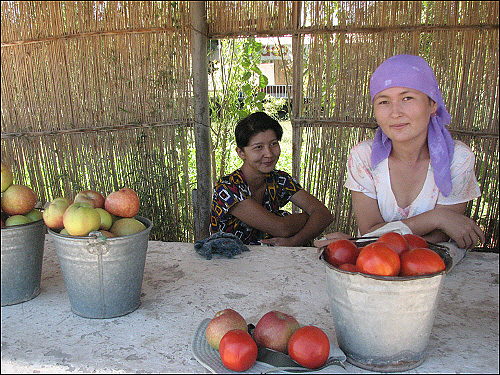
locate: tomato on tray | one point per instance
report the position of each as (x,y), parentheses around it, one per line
(340,252)
(238,351)
(421,261)
(309,347)
(378,259)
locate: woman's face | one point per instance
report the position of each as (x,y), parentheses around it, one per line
(403,113)
(262,152)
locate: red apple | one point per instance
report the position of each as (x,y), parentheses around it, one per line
(93,197)
(107,234)
(18,200)
(222,322)
(53,213)
(274,330)
(124,203)
(81,218)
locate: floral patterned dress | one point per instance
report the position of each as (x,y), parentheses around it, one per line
(233,188)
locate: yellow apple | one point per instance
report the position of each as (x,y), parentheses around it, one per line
(18,200)
(53,214)
(7,177)
(81,218)
(106,218)
(127,226)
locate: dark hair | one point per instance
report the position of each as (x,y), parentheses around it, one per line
(253,124)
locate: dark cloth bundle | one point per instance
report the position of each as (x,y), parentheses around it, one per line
(226,244)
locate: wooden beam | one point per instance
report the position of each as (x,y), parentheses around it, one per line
(202,196)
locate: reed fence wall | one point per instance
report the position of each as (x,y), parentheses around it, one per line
(98,95)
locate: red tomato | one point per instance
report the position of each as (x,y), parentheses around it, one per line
(420,261)
(378,259)
(415,241)
(395,241)
(309,347)
(340,252)
(348,267)
(238,350)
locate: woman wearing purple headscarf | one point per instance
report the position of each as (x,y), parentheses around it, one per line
(412,177)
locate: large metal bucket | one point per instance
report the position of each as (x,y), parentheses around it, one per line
(103,277)
(384,323)
(22,256)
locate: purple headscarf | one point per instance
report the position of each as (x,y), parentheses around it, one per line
(415,73)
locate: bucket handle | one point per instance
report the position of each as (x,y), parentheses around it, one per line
(97,244)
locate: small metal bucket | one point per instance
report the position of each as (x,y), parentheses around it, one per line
(103,277)
(22,256)
(384,323)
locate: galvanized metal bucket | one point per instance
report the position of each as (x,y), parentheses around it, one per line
(384,323)
(103,277)
(22,256)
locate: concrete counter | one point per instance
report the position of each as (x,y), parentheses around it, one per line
(180,289)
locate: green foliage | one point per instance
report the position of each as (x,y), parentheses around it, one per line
(237,82)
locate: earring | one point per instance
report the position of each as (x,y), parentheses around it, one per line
(433,114)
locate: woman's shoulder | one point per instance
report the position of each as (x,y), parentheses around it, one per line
(234,178)
(363,147)
(462,153)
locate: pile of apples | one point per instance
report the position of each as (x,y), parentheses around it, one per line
(18,201)
(228,333)
(90,211)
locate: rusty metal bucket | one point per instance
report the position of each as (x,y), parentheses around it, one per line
(384,323)
(103,277)
(22,257)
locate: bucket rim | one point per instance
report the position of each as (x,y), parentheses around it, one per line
(23,225)
(144,220)
(442,251)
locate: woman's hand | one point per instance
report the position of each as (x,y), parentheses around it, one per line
(462,229)
(329,238)
(280,241)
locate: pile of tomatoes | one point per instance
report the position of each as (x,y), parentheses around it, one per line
(392,254)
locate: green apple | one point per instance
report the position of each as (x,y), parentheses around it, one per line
(65,232)
(16,220)
(127,226)
(106,218)
(7,177)
(53,214)
(34,215)
(81,218)
(18,199)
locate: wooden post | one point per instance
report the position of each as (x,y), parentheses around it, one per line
(297,94)
(202,196)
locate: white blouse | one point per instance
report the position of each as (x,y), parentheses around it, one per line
(376,184)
